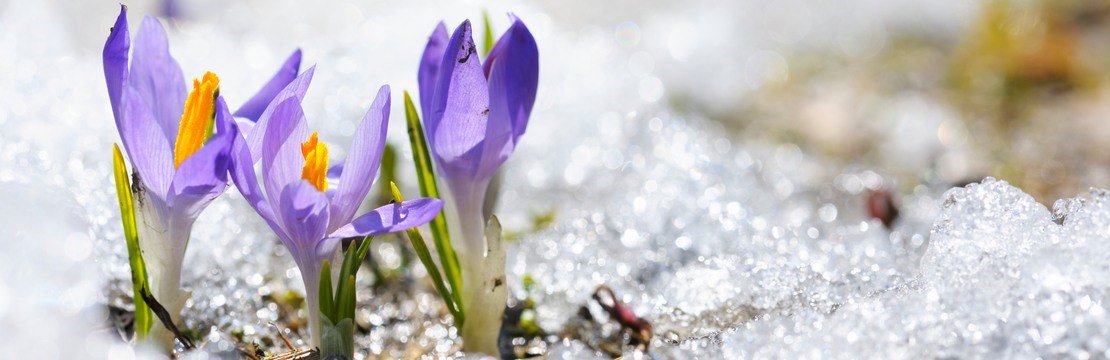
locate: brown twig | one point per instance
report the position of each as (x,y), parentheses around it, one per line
(167,321)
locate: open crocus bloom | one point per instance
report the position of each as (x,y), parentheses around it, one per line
(307,214)
(178,143)
(474,114)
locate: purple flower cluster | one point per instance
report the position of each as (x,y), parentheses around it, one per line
(185,145)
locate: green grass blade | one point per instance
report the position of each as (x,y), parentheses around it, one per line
(144,317)
(327,302)
(347,268)
(388,173)
(360,254)
(352,259)
(426,176)
(425,256)
(345,300)
(488,45)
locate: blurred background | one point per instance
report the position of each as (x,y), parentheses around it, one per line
(947,91)
(906,92)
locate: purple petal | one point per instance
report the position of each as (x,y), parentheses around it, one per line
(362,161)
(203,176)
(148,149)
(386,219)
(244,126)
(516,58)
(295,89)
(305,211)
(335,172)
(157,77)
(429,66)
(170,9)
(457,123)
(115,60)
(282,161)
(241,167)
(498,142)
(253,108)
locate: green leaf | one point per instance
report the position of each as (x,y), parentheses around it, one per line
(327,302)
(348,268)
(343,305)
(426,176)
(144,317)
(396,192)
(388,172)
(336,339)
(489,32)
(363,250)
(425,256)
(345,301)
(352,259)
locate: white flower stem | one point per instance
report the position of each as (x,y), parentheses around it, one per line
(162,240)
(311,279)
(482,259)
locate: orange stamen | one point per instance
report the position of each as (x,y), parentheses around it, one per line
(315,162)
(196,121)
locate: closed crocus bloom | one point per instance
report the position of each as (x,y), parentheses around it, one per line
(179,144)
(308,214)
(474,114)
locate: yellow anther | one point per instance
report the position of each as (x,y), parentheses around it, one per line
(197,120)
(315,162)
(308,146)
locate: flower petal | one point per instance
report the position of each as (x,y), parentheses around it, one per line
(516,58)
(295,89)
(305,211)
(429,66)
(157,77)
(335,172)
(362,162)
(385,219)
(148,149)
(245,127)
(498,141)
(203,176)
(241,167)
(253,108)
(457,123)
(115,60)
(282,161)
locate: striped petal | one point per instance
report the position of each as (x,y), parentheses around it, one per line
(295,90)
(115,56)
(383,220)
(362,162)
(429,66)
(157,78)
(148,149)
(253,108)
(282,161)
(460,108)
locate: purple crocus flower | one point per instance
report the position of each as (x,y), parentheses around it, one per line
(474,114)
(179,163)
(307,214)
